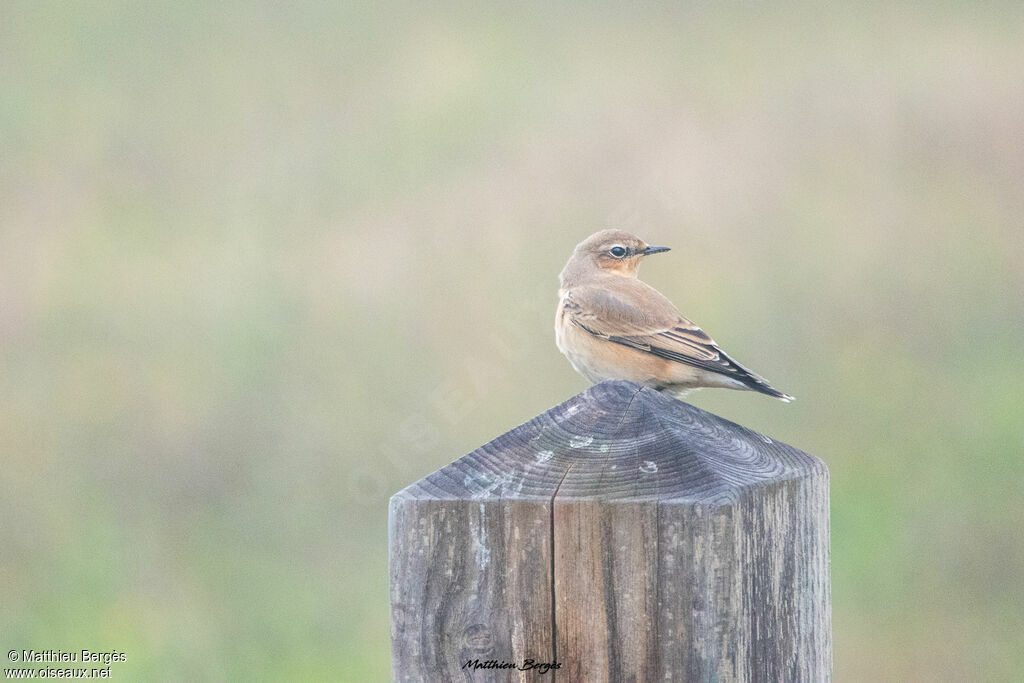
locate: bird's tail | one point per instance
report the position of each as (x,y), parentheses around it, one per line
(766,388)
(753,381)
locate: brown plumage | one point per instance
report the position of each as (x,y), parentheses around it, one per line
(610,325)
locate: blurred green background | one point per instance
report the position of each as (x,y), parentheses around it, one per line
(263,264)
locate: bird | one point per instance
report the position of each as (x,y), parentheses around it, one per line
(613,326)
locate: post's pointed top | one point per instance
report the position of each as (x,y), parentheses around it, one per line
(620,441)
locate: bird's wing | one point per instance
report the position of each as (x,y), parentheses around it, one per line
(634,314)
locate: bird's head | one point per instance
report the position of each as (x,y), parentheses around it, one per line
(609,251)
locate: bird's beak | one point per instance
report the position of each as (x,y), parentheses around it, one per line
(653,250)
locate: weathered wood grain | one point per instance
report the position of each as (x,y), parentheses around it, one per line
(627,536)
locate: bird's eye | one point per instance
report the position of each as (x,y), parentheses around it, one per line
(617,252)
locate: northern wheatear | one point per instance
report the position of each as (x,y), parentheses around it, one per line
(610,325)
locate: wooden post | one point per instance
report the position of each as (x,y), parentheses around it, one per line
(621,536)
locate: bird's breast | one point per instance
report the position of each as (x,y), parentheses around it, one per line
(560,322)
